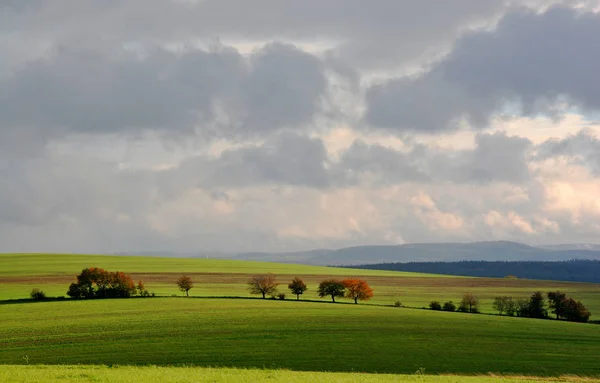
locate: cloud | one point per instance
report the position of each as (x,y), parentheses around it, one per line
(530,63)
(495,158)
(582,149)
(215,93)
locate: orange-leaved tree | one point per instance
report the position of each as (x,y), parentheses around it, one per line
(358,290)
(95,282)
(185,284)
(263,284)
(297,287)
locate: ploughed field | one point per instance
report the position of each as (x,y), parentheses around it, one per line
(19,273)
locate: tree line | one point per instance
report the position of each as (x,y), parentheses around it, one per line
(95,282)
(564,307)
(571,271)
(354,289)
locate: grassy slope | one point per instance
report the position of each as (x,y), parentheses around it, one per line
(71,264)
(19,273)
(26,374)
(292,335)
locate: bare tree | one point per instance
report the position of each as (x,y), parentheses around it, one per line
(263,284)
(185,284)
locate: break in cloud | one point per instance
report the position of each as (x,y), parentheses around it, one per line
(281,125)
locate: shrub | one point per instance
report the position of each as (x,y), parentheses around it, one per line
(397,304)
(37,294)
(435,305)
(281,296)
(449,306)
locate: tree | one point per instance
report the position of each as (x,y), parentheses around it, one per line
(469,303)
(357,289)
(575,311)
(332,288)
(263,284)
(536,306)
(142,289)
(435,305)
(449,306)
(557,303)
(297,287)
(37,294)
(502,304)
(95,282)
(185,284)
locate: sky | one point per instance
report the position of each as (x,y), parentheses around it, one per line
(284,125)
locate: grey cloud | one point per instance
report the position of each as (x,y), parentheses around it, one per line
(92,92)
(530,60)
(286,159)
(366,30)
(582,148)
(495,158)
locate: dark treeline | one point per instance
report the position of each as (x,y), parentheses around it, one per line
(571,271)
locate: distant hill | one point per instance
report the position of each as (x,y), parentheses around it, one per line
(571,271)
(427,252)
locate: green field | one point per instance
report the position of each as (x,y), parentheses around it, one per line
(26,374)
(19,273)
(301,336)
(222,326)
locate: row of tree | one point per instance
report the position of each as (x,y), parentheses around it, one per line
(559,304)
(468,304)
(355,289)
(95,282)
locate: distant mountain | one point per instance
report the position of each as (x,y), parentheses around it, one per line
(572,246)
(425,252)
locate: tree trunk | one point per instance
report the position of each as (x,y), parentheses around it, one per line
(355,301)
(333,298)
(263,295)
(187,293)
(297,297)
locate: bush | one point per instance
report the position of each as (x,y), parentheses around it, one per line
(37,294)
(449,306)
(397,304)
(281,296)
(435,305)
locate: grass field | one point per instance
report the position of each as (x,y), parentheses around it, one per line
(26,374)
(19,273)
(300,336)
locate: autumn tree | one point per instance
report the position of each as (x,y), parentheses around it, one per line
(185,284)
(469,303)
(575,311)
(263,284)
(332,288)
(357,289)
(297,287)
(95,282)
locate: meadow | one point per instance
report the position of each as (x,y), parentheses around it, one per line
(223,327)
(152,374)
(19,273)
(301,336)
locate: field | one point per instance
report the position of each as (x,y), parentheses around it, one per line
(284,340)
(26,374)
(20,273)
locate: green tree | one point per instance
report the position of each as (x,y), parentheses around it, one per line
(557,303)
(297,287)
(502,304)
(536,306)
(331,287)
(435,305)
(449,306)
(469,303)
